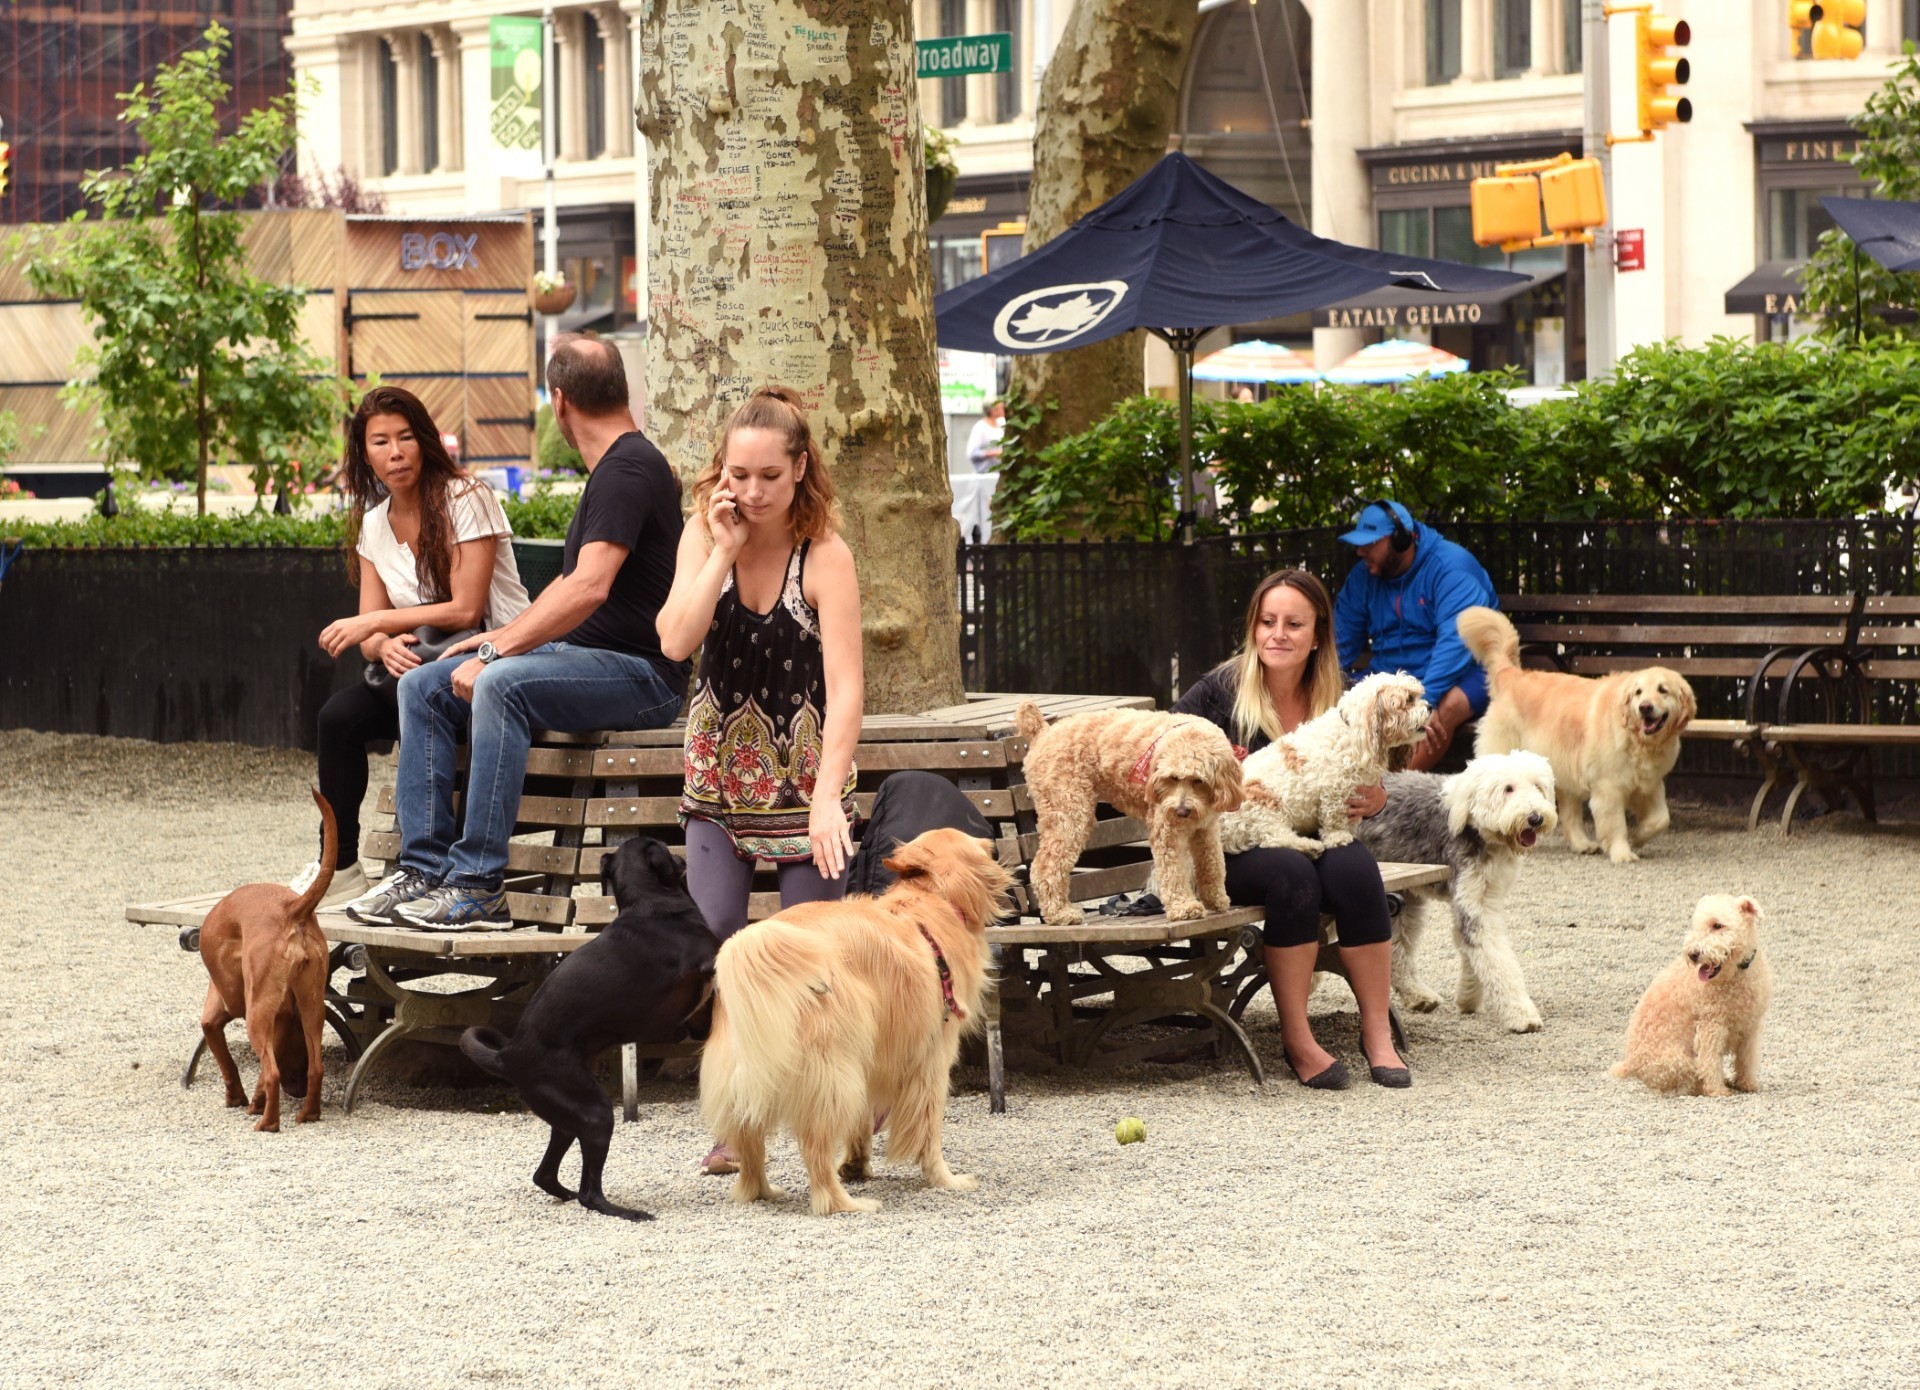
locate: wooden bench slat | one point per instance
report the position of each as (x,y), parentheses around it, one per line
(1685,665)
(1657,635)
(538,907)
(1675,603)
(1875,735)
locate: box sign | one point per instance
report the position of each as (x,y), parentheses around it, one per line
(441,251)
(1630,249)
(965,55)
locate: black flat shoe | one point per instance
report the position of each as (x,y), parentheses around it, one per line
(1333,1078)
(1395,1078)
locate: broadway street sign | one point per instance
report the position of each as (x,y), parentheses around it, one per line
(966,55)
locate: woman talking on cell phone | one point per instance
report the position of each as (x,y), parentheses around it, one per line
(429,549)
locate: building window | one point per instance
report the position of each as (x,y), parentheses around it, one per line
(1405,232)
(953,90)
(1795,219)
(1573,33)
(956,260)
(1006,85)
(1910,20)
(1513,37)
(429,106)
(594,51)
(1443,41)
(389,109)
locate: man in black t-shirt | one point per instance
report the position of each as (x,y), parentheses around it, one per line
(583,656)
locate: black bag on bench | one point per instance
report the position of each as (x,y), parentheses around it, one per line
(910,803)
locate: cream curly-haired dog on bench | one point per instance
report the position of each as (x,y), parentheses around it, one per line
(1302,780)
(1177,772)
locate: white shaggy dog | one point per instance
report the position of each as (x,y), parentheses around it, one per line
(1302,780)
(1478,823)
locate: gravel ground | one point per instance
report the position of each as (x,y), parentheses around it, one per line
(1519,1217)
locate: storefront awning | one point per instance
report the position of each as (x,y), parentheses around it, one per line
(1772,288)
(1396,308)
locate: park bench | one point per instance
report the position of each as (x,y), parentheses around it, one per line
(1733,649)
(1832,707)
(586,793)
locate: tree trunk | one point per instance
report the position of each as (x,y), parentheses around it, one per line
(1108,103)
(788,243)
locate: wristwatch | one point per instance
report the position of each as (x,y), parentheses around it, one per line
(487,652)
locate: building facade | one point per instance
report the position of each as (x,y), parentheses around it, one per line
(62,67)
(404,100)
(1434,93)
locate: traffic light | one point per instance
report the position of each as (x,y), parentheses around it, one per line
(1574,195)
(1803,14)
(6,160)
(1001,245)
(1836,31)
(1506,211)
(1654,36)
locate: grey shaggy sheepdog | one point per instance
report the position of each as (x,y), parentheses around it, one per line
(1478,823)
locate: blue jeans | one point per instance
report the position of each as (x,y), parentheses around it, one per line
(556,686)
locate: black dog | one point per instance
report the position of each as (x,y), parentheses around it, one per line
(644,979)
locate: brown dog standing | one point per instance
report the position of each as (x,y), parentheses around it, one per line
(267,963)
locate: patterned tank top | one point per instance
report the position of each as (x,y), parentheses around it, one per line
(756,721)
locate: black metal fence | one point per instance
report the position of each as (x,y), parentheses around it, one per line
(1145,618)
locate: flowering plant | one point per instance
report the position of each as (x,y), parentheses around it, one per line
(543,283)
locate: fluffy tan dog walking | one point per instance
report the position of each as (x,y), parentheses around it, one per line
(1177,772)
(1705,1008)
(267,963)
(830,1013)
(1612,741)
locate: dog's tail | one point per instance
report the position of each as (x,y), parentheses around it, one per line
(329,851)
(1493,640)
(773,988)
(1029,721)
(482,1046)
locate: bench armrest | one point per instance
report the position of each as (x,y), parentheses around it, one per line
(1834,686)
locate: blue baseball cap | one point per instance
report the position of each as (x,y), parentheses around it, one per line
(1376,523)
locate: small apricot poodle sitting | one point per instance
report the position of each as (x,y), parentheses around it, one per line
(1705,1007)
(1177,772)
(1302,780)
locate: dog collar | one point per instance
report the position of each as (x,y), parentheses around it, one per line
(1749,960)
(946,976)
(1139,773)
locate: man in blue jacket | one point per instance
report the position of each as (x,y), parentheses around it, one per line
(1396,612)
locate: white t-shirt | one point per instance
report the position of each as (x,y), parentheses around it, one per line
(986,435)
(477,514)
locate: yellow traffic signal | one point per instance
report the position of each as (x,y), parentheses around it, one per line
(1001,245)
(1836,31)
(1574,196)
(6,160)
(1802,14)
(1658,70)
(1505,210)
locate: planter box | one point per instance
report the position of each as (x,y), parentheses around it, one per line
(175,645)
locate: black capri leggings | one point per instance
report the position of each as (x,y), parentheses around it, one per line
(1295,890)
(353,717)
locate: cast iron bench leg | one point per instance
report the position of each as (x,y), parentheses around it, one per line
(630,1082)
(394,1032)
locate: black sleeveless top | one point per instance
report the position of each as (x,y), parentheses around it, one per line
(756,722)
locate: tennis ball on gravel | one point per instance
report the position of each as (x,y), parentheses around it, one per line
(1130,1131)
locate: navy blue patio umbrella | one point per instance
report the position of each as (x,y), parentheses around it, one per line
(1179,253)
(1888,231)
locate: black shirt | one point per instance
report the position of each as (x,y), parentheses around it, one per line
(631,499)
(1211,697)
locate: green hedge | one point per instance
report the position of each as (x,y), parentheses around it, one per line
(544,516)
(1733,429)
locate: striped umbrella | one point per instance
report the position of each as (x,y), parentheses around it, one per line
(1255,360)
(1395,360)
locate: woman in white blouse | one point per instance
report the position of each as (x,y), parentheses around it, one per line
(430,548)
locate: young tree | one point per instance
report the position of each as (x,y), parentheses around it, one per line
(1108,102)
(1840,285)
(193,357)
(788,243)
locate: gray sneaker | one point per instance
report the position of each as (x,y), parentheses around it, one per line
(453,908)
(401,886)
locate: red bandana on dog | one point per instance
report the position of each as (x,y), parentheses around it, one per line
(946,976)
(1139,773)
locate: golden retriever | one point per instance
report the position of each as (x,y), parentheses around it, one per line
(831,1013)
(1612,740)
(1177,772)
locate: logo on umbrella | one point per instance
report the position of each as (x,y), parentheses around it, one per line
(1046,318)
